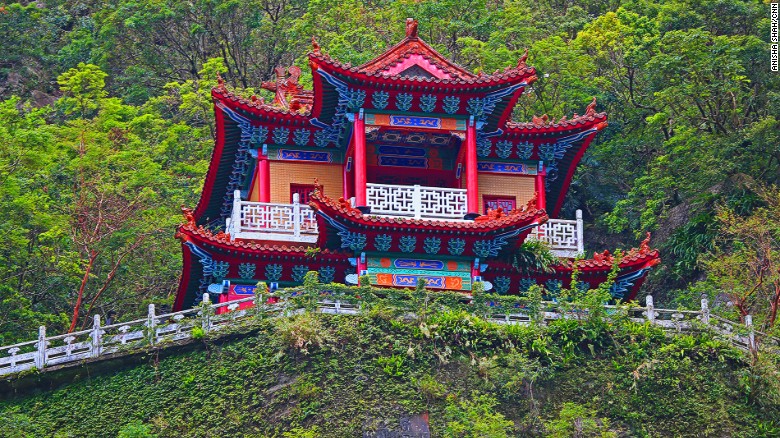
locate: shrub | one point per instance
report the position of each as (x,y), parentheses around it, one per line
(303,331)
(578,420)
(392,366)
(476,418)
(136,429)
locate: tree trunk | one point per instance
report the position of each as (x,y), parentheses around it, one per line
(77,307)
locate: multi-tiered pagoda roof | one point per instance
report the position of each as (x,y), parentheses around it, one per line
(421,174)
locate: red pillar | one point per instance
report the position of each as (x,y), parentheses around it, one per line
(472,184)
(264,178)
(359,134)
(345,179)
(345,182)
(541,198)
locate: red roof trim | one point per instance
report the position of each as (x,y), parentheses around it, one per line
(211,175)
(327,205)
(570,174)
(409,46)
(184,281)
(577,123)
(601,264)
(262,110)
(410,60)
(191,232)
(508,76)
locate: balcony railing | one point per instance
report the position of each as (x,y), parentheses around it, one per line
(419,202)
(565,237)
(267,221)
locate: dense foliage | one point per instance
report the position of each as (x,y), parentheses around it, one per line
(106,128)
(312,375)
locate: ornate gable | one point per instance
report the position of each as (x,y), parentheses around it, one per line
(412,57)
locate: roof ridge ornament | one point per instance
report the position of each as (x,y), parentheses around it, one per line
(411,28)
(315,46)
(521,62)
(590,110)
(189,215)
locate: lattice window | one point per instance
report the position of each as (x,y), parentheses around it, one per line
(506,203)
(304,192)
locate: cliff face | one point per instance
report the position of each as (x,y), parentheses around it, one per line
(450,374)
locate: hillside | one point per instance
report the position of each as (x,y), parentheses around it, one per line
(108,127)
(334,376)
(120,92)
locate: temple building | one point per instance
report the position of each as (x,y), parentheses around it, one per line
(405,167)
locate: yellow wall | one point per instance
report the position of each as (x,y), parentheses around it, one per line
(285,172)
(519,186)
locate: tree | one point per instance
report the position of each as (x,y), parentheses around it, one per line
(745,264)
(83,89)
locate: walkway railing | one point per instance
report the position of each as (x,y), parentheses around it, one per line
(564,237)
(267,221)
(184,326)
(419,202)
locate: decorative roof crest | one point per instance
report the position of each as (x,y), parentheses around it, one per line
(591,108)
(189,216)
(315,46)
(411,28)
(521,62)
(540,120)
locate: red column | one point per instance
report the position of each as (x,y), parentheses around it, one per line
(541,198)
(361,264)
(359,134)
(264,178)
(345,182)
(472,184)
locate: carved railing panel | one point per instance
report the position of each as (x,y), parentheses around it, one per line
(256,216)
(420,202)
(18,357)
(564,237)
(264,220)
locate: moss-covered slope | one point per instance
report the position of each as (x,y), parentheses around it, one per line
(338,376)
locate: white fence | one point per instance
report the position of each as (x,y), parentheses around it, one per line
(266,221)
(419,202)
(183,326)
(564,237)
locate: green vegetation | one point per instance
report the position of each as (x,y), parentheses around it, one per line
(106,128)
(105,116)
(105,113)
(318,375)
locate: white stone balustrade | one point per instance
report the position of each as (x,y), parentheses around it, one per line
(184,326)
(268,221)
(419,202)
(564,237)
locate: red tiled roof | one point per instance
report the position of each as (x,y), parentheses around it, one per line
(543,124)
(320,202)
(256,106)
(644,255)
(517,74)
(189,231)
(413,45)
